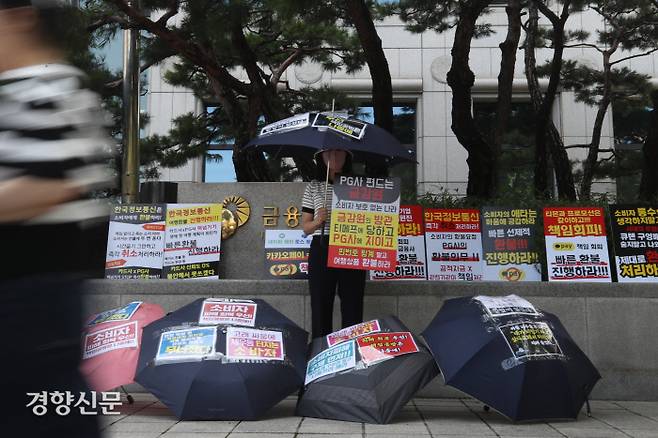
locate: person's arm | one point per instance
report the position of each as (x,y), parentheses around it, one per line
(310,224)
(26,197)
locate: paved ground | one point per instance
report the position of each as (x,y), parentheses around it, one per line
(423,418)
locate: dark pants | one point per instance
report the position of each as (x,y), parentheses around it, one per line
(322,282)
(40,322)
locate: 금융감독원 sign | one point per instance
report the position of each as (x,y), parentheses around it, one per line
(364,223)
(635,235)
(454,244)
(411,247)
(135,241)
(352,332)
(508,244)
(192,241)
(576,244)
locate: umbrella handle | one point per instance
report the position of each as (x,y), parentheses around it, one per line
(589,410)
(326,184)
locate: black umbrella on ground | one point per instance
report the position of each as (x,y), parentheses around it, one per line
(357,380)
(511,356)
(222,359)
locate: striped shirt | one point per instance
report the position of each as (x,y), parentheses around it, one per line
(52,127)
(314,198)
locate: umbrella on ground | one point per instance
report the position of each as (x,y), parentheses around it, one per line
(358,380)
(111,341)
(222,359)
(514,358)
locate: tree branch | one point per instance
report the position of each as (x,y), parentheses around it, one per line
(634,56)
(276,74)
(108,19)
(195,53)
(172,9)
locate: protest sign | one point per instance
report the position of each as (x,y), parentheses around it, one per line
(352,332)
(250,344)
(454,244)
(530,340)
(135,241)
(508,244)
(333,360)
(192,241)
(190,344)
(364,223)
(411,247)
(576,244)
(286,254)
(505,306)
(635,235)
(110,339)
(383,346)
(222,311)
(122,313)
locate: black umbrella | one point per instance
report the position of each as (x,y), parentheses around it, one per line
(222,359)
(375,393)
(318,131)
(514,358)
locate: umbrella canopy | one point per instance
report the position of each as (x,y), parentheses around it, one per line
(317,131)
(222,359)
(356,380)
(511,356)
(111,342)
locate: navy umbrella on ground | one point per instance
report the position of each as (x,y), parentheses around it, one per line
(222,359)
(318,131)
(375,393)
(514,358)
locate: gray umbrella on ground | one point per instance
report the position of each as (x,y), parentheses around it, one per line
(371,394)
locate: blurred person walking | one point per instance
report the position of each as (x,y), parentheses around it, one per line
(53,154)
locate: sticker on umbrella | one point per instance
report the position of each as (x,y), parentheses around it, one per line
(352,128)
(109,339)
(531,340)
(224,311)
(333,360)
(507,305)
(352,332)
(119,314)
(186,345)
(251,344)
(383,346)
(291,123)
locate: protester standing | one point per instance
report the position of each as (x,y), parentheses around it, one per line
(322,280)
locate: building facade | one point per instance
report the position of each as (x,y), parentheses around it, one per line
(418,65)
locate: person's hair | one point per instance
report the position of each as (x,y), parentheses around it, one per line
(58,20)
(321,168)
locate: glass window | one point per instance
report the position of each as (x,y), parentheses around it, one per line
(630,122)
(404,129)
(517,160)
(219,166)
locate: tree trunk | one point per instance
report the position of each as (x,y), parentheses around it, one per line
(461,79)
(649,181)
(551,138)
(382,89)
(589,166)
(505,81)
